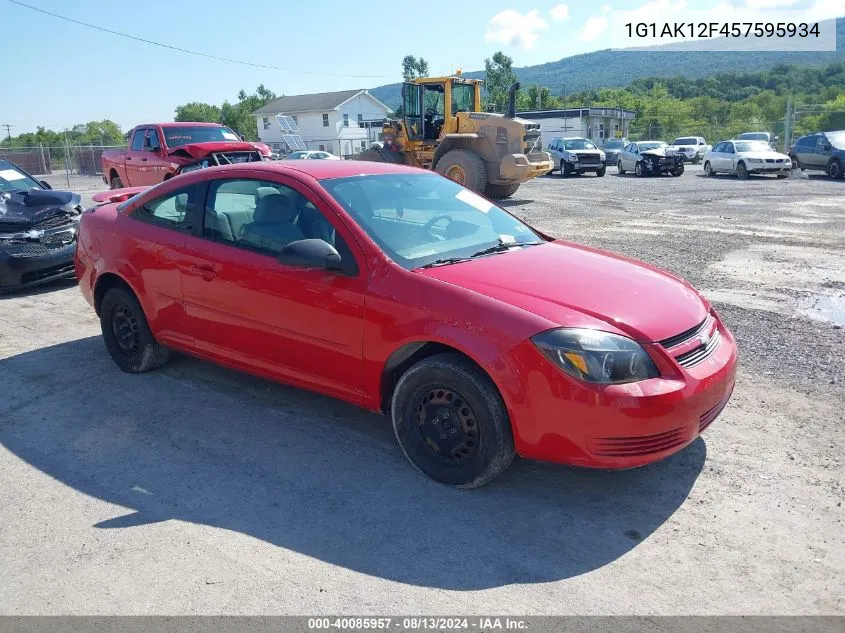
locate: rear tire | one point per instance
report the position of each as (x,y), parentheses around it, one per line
(708,169)
(116,183)
(601,171)
(451,422)
(500,191)
(127,335)
(465,168)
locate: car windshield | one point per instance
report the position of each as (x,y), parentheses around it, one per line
(13,179)
(837,139)
(422,219)
(578,143)
(686,141)
(754,136)
(613,145)
(183,135)
(651,145)
(752,146)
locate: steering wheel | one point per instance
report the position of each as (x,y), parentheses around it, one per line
(430,224)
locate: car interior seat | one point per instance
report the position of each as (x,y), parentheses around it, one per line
(273,224)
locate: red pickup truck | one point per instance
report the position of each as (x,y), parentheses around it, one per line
(157,150)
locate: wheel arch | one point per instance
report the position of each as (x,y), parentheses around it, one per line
(106,282)
(470,142)
(408,355)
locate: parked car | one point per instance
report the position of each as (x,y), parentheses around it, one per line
(744,158)
(766,137)
(577,155)
(692,148)
(611,149)
(401,291)
(157,150)
(37,229)
(823,151)
(650,158)
(311,155)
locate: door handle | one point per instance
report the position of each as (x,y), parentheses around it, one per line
(128,158)
(143,160)
(206,272)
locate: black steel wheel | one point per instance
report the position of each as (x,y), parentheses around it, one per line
(451,422)
(127,334)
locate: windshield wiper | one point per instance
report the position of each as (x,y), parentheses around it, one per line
(444,262)
(502,247)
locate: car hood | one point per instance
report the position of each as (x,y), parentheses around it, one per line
(117,195)
(197,151)
(762,155)
(557,279)
(26,209)
(659,151)
(685,147)
(583,151)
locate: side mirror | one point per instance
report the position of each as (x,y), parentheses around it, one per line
(312,253)
(44,184)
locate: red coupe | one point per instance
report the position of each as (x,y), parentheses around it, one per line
(402,292)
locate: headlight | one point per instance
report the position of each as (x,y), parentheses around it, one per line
(572,157)
(602,156)
(595,356)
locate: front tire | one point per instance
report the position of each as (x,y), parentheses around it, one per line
(601,171)
(708,169)
(127,334)
(620,169)
(500,191)
(741,171)
(464,167)
(834,169)
(565,168)
(678,171)
(451,423)
(116,183)
(639,169)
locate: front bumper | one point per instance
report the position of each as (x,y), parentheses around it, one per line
(19,272)
(515,168)
(559,419)
(768,168)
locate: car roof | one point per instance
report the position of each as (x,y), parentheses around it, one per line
(319,169)
(181,124)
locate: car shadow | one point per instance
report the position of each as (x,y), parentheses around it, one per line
(199,443)
(513,202)
(50,286)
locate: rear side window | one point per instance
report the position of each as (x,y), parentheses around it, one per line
(176,210)
(138,140)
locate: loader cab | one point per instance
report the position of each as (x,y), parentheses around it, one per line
(430,105)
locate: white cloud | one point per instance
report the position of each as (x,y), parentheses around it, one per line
(596,25)
(770,4)
(512,28)
(559,12)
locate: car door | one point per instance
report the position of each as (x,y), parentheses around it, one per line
(805,151)
(133,155)
(715,156)
(633,156)
(302,325)
(821,152)
(154,248)
(727,158)
(154,167)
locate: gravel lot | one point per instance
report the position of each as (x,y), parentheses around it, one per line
(195,489)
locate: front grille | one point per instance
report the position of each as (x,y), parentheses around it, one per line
(44,245)
(711,414)
(589,159)
(241,157)
(642,445)
(695,356)
(672,341)
(45,273)
(774,160)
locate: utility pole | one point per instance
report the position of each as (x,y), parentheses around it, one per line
(564,109)
(8,127)
(787,126)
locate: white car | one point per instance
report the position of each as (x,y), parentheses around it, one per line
(744,158)
(692,148)
(311,155)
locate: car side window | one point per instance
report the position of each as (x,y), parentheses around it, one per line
(266,216)
(151,143)
(175,210)
(821,143)
(718,147)
(729,148)
(138,140)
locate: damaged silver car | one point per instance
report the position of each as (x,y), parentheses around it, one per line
(650,158)
(38,228)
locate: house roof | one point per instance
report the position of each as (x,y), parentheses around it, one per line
(308,103)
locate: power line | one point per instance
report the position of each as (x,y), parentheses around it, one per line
(190,52)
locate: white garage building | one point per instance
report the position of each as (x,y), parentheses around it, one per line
(596,124)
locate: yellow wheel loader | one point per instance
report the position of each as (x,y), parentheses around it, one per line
(442,128)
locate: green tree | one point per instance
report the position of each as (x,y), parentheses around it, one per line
(197,111)
(413,68)
(238,116)
(499,78)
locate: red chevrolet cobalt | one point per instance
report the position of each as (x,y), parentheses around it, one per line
(402,292)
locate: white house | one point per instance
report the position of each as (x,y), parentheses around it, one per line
(342,122)
(596,124)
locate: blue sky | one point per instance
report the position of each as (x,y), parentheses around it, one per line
(58,73)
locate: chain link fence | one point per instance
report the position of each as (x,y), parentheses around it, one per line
(69,166)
